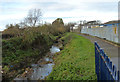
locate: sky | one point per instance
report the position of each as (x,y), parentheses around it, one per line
(14,11)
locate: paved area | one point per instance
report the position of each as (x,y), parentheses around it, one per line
(110,49)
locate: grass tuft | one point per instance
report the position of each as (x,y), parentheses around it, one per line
(76,61)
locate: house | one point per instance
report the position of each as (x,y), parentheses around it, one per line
(112,23)
(75,28)
(91,24)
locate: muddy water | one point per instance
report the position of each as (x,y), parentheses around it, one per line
(42,69)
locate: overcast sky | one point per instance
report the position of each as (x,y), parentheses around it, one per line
(13,11)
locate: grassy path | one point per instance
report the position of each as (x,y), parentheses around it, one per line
(76,61)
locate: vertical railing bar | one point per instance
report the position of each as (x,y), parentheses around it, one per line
(104,68)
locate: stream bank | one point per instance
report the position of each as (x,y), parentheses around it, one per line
(17,57)
(76,61)
(43,67)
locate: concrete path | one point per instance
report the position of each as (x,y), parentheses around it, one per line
(109,48)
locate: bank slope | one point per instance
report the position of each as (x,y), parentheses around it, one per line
(76,61)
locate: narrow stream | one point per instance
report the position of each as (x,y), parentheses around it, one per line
(42,69)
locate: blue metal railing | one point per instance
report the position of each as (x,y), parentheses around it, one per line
(103,66)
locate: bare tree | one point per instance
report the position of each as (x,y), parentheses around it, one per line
(33,18)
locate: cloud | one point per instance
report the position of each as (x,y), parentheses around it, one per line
(12,11)
(62,1)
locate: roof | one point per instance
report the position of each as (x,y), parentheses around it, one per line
(112,22)
(76,25)
(91,22)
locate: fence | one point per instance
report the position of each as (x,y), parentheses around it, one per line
(109,32)
(103,66)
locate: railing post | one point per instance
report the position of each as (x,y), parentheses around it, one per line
(96,61)
(103,66)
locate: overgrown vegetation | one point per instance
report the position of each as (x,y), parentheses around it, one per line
(19,53)
(76,61)
(26,46)
(27,42)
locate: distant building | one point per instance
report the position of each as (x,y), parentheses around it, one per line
(112,23)
(108,30)
(75,28)
(91,24)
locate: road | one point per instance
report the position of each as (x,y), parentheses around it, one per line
(109,48)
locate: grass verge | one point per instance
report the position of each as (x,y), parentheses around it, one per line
(76,61)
